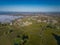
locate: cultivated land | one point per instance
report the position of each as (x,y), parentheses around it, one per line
(32,29)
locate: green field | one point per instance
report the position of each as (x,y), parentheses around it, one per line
(35,34)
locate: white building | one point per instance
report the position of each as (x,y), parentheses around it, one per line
(11,23)
(27,23)
(39,21)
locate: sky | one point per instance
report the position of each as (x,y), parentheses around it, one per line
(30,5)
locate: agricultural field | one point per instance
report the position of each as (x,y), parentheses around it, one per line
(31,30)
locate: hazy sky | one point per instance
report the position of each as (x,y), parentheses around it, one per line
(30,5)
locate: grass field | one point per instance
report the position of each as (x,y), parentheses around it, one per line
(34,34)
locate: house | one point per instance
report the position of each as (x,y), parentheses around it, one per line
(27,23)
(44,21)
(39,21)
(11,23)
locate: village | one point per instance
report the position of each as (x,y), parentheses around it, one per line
(29,20)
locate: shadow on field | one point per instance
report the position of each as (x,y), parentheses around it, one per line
(57,38)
